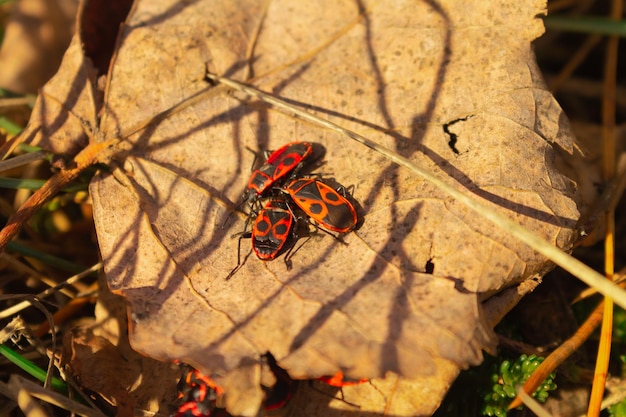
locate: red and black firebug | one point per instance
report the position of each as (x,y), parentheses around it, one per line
(326,206)
(280,164)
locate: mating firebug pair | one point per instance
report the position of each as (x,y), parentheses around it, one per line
(274,221)
(274,224)
(277,180)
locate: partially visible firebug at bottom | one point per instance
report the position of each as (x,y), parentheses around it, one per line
(198,394)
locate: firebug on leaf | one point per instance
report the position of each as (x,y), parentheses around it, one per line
(323,204)
(279,164)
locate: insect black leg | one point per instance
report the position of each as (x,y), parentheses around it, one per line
(337,238)
(237,207)
(292,251)
(239,263)
(256,155)
(340,389)
(346,192)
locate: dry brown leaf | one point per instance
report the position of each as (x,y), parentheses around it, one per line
(399,75)
(71,89)
(99,357)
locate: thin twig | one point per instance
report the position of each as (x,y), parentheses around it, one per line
(570,264)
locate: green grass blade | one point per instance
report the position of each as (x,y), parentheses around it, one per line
(9,126)
(31,368)
(35,184)
(590,25)
(46,258)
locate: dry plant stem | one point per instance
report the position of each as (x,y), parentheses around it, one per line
(56,183)
(617,395)
(574,266)
(608,153)
(573,63)
(18,327)
(67,312)
(93,153)
(18,161)
(561,353)
(7,103)
(29,405)
(22,385)
(611,195)
(618,277)
(602,360)
(14,327)
(588,88)
(533,404)
(22,268)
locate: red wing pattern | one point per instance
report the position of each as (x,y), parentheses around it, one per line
(281,162)
(323,204)
(271,230)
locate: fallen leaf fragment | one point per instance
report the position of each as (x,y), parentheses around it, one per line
(100,359)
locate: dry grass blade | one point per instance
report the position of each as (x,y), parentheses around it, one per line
(609,144)
(565,261)
(21,386)
(533,404)
(27,403)
(183,172)
(561,353)
(56,183)
(22,160)
(566,349)
(24,304)
(617,393)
